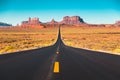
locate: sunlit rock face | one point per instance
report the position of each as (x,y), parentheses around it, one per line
(31,23)
(72,20)
(117,23)
(52,22)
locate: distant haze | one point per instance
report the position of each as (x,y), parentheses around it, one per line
(92,11)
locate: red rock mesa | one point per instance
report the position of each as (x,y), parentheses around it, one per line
(31,23)
(72,20)
(117,23)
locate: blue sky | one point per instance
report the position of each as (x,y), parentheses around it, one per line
(92,11)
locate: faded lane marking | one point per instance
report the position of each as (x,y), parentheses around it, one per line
(57,52)
(56,67)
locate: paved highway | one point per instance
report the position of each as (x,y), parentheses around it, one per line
(59,62)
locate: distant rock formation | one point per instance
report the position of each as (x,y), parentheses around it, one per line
(117,23)
(4,24)
(72,20)
(31,23)
(52,22)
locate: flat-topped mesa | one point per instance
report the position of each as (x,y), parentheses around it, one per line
(72,20)
(52,22)
(31,23)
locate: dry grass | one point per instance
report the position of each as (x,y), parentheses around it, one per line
(15,39)
(95,38)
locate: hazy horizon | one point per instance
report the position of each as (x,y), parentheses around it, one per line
(92,11)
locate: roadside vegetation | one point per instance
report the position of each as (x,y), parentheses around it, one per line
(95,38)
(17,39)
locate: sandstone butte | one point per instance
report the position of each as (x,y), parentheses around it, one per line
(67,20)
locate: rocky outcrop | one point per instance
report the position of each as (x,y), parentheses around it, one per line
(4,24)
(68,20)
(72,20)
(31,23)
(35,23)
(117,23)
(52,22)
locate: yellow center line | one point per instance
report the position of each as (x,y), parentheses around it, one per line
(57,50)
(56,67)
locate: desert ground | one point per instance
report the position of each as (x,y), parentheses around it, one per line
(95,38)
(16,39)
(106,39)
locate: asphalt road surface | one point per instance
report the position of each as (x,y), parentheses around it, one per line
(72,64)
